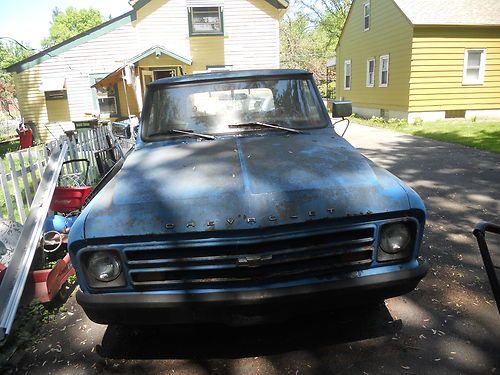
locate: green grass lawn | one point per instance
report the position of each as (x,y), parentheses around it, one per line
(484,135)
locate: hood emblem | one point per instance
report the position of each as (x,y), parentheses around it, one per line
(252,261)
(253,220)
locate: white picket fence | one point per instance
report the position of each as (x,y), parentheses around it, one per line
(21,171)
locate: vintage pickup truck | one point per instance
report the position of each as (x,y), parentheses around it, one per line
(240,201)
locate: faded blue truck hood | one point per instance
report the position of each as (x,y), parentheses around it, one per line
(240,183)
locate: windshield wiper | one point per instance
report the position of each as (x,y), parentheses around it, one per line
(264,124)
(190,132)
(186,132)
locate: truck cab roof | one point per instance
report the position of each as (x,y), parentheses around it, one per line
(230,75)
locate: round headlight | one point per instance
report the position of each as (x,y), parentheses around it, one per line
(104,266)
(395,238)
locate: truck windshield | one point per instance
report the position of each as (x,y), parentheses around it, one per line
(214,108)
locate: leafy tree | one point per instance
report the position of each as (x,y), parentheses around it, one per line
(330,16)
(302,44)
(309,35)
(10,53)
(70,22)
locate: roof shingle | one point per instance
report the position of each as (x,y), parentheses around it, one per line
(451,12)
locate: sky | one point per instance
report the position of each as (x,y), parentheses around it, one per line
(29,20)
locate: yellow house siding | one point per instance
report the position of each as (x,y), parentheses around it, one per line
(31,99)
(34,108)
(438,64)
(159,62)
(122,99)
(206,50)
(390,34)
(57,110)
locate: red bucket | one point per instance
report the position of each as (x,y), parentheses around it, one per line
(69,199)
(25,138)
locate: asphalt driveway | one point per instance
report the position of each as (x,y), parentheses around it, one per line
(449,325)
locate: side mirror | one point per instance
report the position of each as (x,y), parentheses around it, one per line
(121,130)
(341,108)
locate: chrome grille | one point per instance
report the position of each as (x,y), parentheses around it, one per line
(249,263)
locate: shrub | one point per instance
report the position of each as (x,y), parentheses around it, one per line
(397,122)
(418,121)
(323,90)
(378,120)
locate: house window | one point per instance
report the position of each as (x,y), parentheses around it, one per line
(366,17)
(106,98)
(384,71)
(206,21)
(370,73)
(347,74)
(474,64)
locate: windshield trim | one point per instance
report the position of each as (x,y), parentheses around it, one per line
(152,88)
(203,78)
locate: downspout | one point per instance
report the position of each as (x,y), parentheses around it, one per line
(131,128)
(126,94)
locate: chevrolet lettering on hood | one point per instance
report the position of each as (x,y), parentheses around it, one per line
(251,220)
(240,199)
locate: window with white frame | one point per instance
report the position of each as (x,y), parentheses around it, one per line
(383,79)
(366,16)
(206,21)
(370,73)
(474,64)
(347,74)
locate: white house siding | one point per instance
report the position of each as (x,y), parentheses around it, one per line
(159,22)
(163,23)
(252,34)
(103,54)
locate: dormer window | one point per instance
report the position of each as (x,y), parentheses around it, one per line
(366,17)
(206,21)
